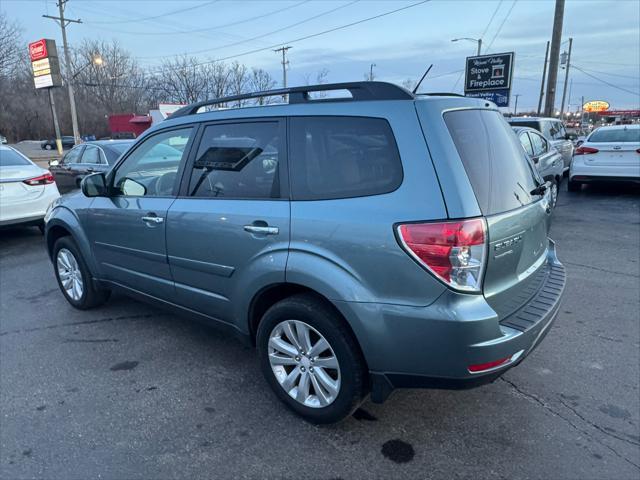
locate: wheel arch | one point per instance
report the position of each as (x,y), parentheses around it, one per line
(272,294)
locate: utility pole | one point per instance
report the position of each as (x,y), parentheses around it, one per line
(515,107)
(64,22)
(56,126)
(544,74)
(371,71)
(285,63)
(556,39)
(566,78)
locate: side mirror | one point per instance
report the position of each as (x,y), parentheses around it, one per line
(94,185)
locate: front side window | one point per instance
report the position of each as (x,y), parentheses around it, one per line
(238,160)
(526,144)
(152,168)
(539,144)
(500,174)
(342,157)
(73,156)
(91,155)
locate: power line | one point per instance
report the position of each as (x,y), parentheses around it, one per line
(144,19)
(309,19)
(612,74)
(215,27)
(605,82)
(313,35)
(486,29)
(504,20)
(491,19)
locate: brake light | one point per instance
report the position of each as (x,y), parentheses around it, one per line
(586,150)
(454,251)
(44,179)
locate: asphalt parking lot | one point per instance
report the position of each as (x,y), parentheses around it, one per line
(129,391)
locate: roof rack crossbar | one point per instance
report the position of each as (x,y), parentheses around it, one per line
(359,91)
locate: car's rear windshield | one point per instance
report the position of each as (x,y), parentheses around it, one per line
(610,135)
(500,174)
(9,158)
(530,124)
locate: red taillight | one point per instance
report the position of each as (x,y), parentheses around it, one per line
(481,367)
(453,251)
(586,150)
(45,179)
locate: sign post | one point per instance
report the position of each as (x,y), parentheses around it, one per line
(46,74)
(489,77)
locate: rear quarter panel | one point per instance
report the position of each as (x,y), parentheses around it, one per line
(346,249)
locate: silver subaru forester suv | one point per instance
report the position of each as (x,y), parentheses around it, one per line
(362,243)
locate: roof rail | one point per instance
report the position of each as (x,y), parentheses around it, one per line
(360,91)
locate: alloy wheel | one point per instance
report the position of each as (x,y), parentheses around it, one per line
(70,274)
(304,363)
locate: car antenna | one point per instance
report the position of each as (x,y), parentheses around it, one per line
(421,79)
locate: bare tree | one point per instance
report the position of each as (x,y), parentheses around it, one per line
(11,48)
(181,80)
(261,81)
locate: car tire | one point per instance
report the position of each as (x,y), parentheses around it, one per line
(349,381)
(574,186)
(48,147)
(69,267)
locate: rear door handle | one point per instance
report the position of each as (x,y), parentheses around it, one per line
(152,219)
(261,230)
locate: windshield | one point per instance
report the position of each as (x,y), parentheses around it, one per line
(10,158)
(610,135)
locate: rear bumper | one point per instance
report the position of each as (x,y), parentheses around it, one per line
(434,346)
(29,211)
(603,178)
(581,171)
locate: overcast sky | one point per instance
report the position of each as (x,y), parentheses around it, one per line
(606,38)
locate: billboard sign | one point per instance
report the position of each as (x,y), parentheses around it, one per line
(489,77)
(596,106)
(44,63)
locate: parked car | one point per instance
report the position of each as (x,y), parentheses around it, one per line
(610,154)
(3,140)
(554,131)
(84,159)
(26,190)
(362,244)
(67,142)
(547,160)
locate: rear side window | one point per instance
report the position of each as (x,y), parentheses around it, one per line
(9,158)
(498,170)
(342,157)
(606,135)
(240,160)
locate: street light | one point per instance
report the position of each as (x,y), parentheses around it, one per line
(96,59)
(476,40)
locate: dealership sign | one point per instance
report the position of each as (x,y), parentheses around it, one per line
(596,106)
(44,63)
(489,77)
